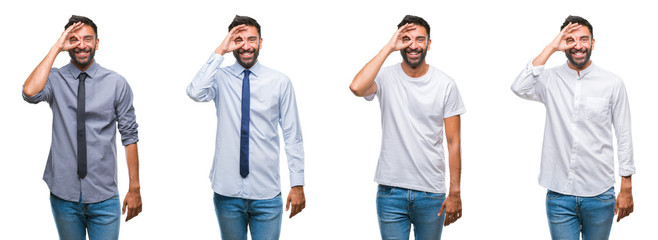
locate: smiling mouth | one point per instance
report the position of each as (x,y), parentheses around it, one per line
(578,53)
(413,53)
(82,53)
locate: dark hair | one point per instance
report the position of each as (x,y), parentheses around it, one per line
(74,19)
(581,21)
(238,20)
(416,20)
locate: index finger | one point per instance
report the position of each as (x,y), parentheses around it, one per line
(238,28)
(407,27)
(571,27)
(74,27)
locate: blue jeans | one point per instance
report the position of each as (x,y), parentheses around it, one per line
(568,215)
(262,216)
(74,219)
(398,208)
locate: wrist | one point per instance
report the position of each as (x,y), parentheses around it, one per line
(387,50)
(56,49)
(134,187)
(454,192)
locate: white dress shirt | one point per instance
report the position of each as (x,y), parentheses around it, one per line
(272,104)
(577,154)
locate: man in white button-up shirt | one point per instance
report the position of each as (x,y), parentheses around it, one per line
(582,103)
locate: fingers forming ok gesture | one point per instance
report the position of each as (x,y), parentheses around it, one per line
(69,39)
(396,42)
(230,44)
(560,42)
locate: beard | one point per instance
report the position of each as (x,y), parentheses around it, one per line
(579,65)
(420,60)
(82,62)
(249,63)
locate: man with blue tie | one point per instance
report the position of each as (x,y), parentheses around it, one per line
(245,170)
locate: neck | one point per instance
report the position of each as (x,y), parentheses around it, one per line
(417,71)
(578,69)
(83,68)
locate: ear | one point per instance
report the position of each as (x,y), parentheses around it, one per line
(260,42)
(429,42)
(97,41)
(592,47)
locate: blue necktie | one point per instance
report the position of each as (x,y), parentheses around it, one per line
(244,126)
(80,127)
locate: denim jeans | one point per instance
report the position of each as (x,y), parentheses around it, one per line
(73,219)
(398,208)
(568,215)
(262,216)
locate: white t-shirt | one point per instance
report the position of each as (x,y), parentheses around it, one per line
(413,110)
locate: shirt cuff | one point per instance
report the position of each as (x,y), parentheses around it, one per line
(296,179)
(626,171)
(34,98)
(215,60)
(535,70)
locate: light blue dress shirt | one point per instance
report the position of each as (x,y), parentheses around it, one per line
(273,104)
(109,103)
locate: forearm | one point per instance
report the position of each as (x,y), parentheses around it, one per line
(626,185)
(133,167)
(543,57)
(453,139)
(364,80)
(38,78)
(455,163)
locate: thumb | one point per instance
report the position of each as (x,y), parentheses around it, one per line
(443,207)
(288,203)
(123,210)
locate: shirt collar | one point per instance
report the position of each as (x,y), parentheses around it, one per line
(75,72)
(256,69)
(583,72)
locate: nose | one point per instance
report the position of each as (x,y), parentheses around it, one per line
(414,45)
(246,46)
(81,45)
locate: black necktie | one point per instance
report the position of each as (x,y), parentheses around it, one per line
(244,126)
(82,136)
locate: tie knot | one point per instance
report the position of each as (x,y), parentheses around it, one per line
(82,76)
(246,72)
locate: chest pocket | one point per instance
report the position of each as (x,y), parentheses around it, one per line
(597,109)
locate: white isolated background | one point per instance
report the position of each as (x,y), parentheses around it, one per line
(160,45)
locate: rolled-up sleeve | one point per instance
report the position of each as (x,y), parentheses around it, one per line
(126,119)
(46,94)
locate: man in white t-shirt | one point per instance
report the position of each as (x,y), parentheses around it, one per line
(416,101)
